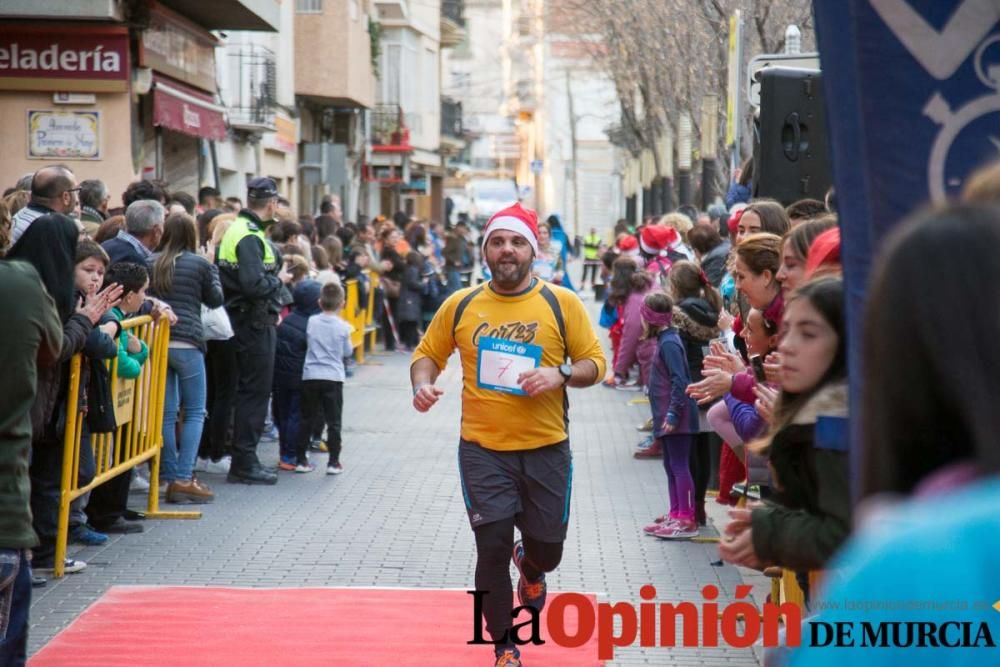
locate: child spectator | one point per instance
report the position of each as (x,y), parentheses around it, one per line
(675,417)
(696,317)
(329,341)
(91,264)
(289,359)
(134,280)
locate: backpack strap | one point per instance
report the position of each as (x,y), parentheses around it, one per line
(553,302)
(462,305)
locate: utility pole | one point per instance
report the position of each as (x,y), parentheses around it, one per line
(573,161)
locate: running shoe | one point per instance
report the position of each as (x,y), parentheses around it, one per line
(305,467)
(334,469)
(682,529)
(510,657)
(646,426)
(531,593)
(286,464)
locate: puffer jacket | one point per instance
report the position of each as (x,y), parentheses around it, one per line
(196,281)
(811,516)
(668,380)
(290,351)
(697,323)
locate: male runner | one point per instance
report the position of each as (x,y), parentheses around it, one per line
(522,342)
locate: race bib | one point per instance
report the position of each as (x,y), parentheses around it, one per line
(502,361)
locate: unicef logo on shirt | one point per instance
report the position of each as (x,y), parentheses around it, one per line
(521,349)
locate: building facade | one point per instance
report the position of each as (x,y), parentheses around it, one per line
(117,90)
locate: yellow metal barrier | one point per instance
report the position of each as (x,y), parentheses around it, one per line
(361,316)
(138,438)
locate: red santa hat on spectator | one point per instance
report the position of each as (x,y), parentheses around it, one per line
(515,219)
(628,246)
(654,239)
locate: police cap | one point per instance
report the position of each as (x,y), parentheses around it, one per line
(262,187)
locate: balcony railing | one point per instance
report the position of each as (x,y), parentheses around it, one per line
(252,87)
(390,133)
(451,118)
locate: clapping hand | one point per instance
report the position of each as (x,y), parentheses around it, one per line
(95,303)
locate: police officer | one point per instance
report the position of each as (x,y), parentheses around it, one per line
(250,269)
(591,257)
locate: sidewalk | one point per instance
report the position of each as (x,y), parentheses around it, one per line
(396,518)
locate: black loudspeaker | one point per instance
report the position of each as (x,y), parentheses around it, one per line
(791,151)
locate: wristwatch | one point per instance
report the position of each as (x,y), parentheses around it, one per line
(566,371)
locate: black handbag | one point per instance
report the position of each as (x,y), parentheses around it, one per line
(100,403)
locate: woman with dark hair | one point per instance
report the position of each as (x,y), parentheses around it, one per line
(929,427)
(763,215)
(391,282)
(49,245)
(710,251)
(795,250)
(410,304)
(186,281)
(811,514)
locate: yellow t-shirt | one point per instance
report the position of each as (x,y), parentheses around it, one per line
(498,420)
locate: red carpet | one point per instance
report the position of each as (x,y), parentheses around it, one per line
(139,625)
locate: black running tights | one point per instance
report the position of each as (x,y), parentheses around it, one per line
(494,544)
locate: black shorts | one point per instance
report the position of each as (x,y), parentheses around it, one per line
(532,486)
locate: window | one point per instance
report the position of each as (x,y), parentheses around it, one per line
(308,6)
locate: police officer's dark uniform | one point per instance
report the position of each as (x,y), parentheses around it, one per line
(248,268)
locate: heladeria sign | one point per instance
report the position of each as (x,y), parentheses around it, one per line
(64,58)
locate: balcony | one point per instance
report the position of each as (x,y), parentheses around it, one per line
(390,133)
(452,23)
(252,88)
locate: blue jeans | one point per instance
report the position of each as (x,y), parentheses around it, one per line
(286,406)
(15,600)
(185,390)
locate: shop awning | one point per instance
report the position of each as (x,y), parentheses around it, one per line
(183,109)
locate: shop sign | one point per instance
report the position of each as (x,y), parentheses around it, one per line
(64,134)
(285,138)
(183,51)
(63,58)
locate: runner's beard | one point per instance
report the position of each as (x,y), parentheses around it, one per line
(507,274)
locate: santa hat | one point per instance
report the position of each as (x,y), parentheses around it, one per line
(654,239)
(515,219)
(627,245)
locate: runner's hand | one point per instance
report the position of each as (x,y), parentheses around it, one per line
(426,396)
(540,380)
